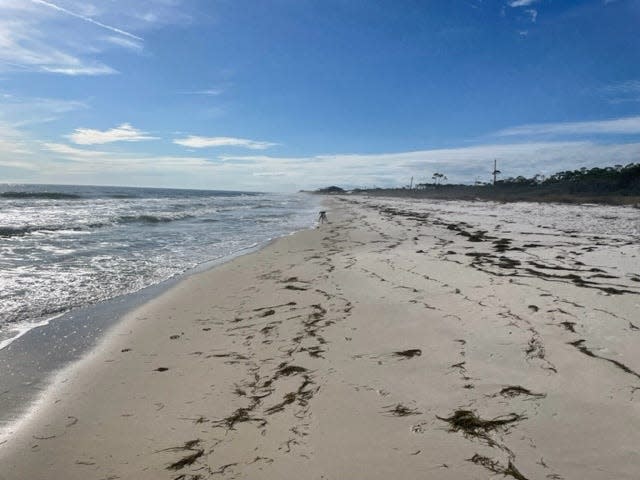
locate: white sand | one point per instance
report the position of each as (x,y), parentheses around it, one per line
(281,363)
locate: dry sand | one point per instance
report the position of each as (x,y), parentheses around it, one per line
(393,343)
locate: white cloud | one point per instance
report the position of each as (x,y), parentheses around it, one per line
(194,141)
(121,133)
(620,126)
(73,153)
(521,3)
(67,37)
(459,164)
(62,163)
(533,13)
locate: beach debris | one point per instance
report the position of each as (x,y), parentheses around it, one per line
(186,461)
(189,445)
(516,390)
(241,415)
(268,313)
(579,344)
(161,369)
(496,467)
(410,353)
(569,326)
(503,244)
(288,304)
(471,425)
(302,396)
(72,421)
(535,347)
(221,470)
(400,410)
(294,287)
(287,370)
(459,366)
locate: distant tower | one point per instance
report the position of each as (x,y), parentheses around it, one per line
(495,170)
(411,184)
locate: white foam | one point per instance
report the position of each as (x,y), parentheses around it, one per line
(24,327)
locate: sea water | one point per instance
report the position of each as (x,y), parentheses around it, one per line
(65,247)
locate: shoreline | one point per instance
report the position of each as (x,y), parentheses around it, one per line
(393,342)
(34,360)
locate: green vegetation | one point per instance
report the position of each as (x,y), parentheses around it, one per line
(614,185)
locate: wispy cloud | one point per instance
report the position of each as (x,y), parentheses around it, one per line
(213,92)
(24,47)
(125,43)
(617,126)
(86,19)
(73,152)
(623,92)
(533,13)
(194,141)
(68,37)
(521,3)
(121,133)
(20,111)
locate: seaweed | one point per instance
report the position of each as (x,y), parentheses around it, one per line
(515,390)
(401,410)
(287,370)
(579,344)
(569,326)
(302,396)
(186,461)
(410,353)
(494,466)
(241,415)
(471,425)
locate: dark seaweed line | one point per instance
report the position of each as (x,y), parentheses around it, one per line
(579,345)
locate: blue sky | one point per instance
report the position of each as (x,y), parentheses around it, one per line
(289,94)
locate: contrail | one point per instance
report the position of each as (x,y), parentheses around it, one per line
(86,19)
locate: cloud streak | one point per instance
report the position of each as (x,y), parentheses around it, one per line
(521,3)
(194,141)
(86,19)
(121,133)
(617,126)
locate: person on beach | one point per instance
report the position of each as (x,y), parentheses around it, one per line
(323,217)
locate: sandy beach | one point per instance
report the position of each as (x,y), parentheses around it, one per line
(401,340)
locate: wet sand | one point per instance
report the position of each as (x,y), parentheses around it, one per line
(398,341)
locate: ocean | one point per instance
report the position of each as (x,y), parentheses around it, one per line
(66,247)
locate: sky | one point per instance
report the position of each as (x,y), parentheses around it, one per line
(282,95)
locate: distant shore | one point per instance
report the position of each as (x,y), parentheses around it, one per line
(455,192)
(402,339)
